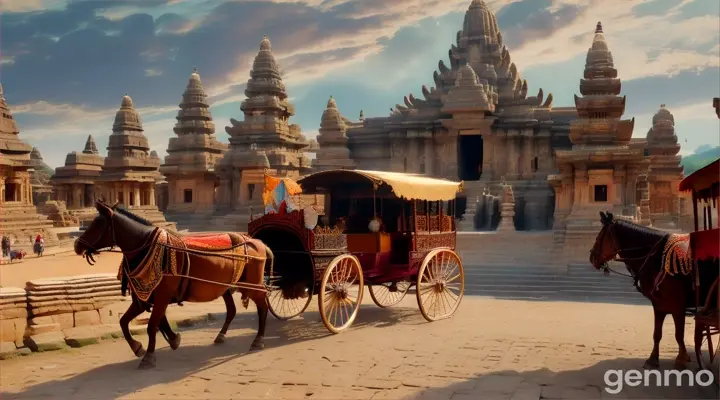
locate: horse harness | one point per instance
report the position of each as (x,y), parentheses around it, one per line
(153,241)
(635,277)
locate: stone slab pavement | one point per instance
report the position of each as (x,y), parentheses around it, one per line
(491,349)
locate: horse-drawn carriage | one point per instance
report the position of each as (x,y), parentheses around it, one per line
(705,250)
(389,231)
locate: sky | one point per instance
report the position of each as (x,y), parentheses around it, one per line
(65,64)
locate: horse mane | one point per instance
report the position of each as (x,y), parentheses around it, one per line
(132,216)
(641,229)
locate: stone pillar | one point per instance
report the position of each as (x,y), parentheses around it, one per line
(487,164)
(528,151)
(631,176)
(581,186)
(511,161)
(137,197)
(429,158)
(618,177)
(152,199)
(507,209)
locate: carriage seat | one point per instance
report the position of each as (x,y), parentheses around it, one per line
(374,242)
(216,241)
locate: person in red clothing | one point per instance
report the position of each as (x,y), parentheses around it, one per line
(39,239)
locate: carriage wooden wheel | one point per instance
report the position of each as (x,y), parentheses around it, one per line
(340,294)
(388,294)
(440,284)
(284,308)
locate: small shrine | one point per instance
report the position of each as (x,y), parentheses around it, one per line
(332,152)
(19,218)
(600,171)
(75,182)
(189,167)
(130,172)
(665,171)
(40,178)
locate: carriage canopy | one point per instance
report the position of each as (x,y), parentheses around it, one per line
(408,186)
(703,179)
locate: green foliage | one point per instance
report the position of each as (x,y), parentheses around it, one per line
(699,159)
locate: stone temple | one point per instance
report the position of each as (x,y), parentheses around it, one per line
(130,171)
(75,183)
(19,218)
(189,167)
(478,124)
(263,142)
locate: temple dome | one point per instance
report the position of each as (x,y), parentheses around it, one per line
(331,117)
(663,116)
(126,118)
(480,24)
(466,77)
(265,43)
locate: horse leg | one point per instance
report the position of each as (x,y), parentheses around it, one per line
(654,360)
(230,314)
(171,337)
(260,300)
(157,315)
(133,311)
(682,358)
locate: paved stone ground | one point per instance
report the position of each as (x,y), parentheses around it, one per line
(490,350)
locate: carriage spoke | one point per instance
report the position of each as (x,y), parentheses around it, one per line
(440,285)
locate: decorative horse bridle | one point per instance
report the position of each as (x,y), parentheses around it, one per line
(91,250)
(607,270)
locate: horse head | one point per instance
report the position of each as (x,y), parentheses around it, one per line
(99,235)
(606,246)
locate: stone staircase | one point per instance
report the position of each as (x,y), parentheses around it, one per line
(576,283)
(21,221)
(193,222)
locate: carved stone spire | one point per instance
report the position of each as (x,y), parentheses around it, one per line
(90,147)
(601,108)
(469,93)
(195,149)
(333,150)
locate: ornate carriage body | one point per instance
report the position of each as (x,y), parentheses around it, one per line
(705,250)
(389,231)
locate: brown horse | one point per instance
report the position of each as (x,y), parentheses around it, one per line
(206,273)
(641,249)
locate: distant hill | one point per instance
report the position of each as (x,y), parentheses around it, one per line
(702,157)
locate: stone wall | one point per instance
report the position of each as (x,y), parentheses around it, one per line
(39,316)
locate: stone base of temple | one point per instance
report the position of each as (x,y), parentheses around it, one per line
(58,214)
(152,214)
(21,222)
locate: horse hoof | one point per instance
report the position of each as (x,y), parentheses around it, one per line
(651,364)
(148,362)
(174,344)
(137,349)
(257,346)
(220,339)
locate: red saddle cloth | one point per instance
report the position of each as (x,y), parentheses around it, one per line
(217,241)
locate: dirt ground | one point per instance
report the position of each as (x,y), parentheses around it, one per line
(491,349)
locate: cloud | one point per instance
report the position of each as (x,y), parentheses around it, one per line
(639,50)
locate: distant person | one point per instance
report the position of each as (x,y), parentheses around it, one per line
(17,255)
(5,246)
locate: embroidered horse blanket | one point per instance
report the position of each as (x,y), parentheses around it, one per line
(217,258)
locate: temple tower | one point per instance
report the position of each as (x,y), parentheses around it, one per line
(665,170)
(40,178)
(264,132)
(600,171)
(129,173)
(190,164)
(75,182)
(19,218)
(333,152)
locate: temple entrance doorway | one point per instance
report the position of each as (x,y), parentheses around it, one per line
(11,192)
(470,157)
